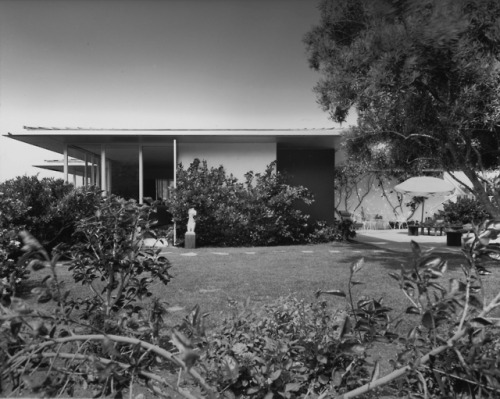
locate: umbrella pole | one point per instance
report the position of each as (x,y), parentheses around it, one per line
(422,218)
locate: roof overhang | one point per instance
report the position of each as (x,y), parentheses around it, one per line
(56,140)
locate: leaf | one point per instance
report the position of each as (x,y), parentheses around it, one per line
(412,310)
(413,334)
(275,375)
(428,320)
(475,301)
(174,309)
(456,286)
(346,327)
(252,390)
(337,376)
(269,395)
(438,286)
(431,261)
(415,248)
(482,271)
(334,293)
(292,387)
(356,349)
(353,283)
(108,347)
(480,322)
(180,341)
(357,266)
(376,371)
(322,359)
(44,297)
(36,264)
(231,368)
(395,276)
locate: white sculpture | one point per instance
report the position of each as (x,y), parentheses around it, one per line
(191,223)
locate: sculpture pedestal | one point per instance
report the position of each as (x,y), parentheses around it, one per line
(190,240)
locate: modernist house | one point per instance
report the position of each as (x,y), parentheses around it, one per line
(142,163)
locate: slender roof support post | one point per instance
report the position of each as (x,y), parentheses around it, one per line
(92,170)
(109,181)
(66,167)
(86,172)
(103,170)
(175,183)
(141,175)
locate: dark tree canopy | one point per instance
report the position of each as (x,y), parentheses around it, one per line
(424,79)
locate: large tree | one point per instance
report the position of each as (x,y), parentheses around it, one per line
(424,79)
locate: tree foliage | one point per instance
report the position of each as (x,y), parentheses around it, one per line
(424,79)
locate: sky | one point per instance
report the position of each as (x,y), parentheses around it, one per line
(152,64)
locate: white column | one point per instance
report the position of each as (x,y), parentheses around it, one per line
(175,163)
(65,167)
(175,182)
(103,170)
(85,172)
(92,170)
(141,175)
(109,181)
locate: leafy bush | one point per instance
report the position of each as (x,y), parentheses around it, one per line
(48,208)
(464,210)
(30,201)
(286,349)
(11,272)
(109,248)
(261,211)
(58,352)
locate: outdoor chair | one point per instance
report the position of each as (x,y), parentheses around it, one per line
(436,224)
(345,215)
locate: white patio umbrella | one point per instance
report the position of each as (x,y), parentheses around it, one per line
(426,187)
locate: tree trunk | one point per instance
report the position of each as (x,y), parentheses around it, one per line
(481,194)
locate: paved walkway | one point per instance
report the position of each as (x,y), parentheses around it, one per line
(380,240)
(399,240)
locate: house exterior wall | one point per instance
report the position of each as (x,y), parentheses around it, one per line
(237,158)
(371,198)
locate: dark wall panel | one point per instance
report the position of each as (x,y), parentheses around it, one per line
(313,169)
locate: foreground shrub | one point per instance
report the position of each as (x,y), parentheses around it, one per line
(261,211)
(56,352)
(109,250)
(289,348)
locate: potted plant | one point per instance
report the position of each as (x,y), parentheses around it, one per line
(413,228)
(457,215)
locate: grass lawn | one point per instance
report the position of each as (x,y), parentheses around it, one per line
(214,277)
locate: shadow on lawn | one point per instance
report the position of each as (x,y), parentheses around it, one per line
(392,260)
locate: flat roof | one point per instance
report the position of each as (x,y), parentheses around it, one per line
(55,139)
